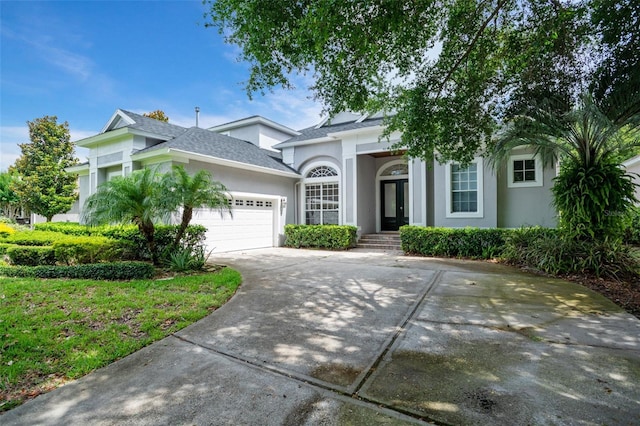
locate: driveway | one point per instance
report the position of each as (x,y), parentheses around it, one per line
(332,338)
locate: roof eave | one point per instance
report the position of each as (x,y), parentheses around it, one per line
(257,119)
(182,154)
(286,144)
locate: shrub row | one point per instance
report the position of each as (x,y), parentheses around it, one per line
(332,237)
(134,245)
(34,238)
(453,242)
(99,271)
(552,253)
(67,251)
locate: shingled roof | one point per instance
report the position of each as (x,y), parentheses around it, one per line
(205,142)
(154,126)
(315,132)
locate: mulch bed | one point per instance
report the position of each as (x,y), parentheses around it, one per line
(624,293)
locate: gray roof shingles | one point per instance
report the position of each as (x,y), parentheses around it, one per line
(154,126)
(205,142)
(311,133)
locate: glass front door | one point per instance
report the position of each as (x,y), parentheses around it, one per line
(394,198)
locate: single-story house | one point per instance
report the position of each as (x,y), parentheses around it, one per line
(337,172)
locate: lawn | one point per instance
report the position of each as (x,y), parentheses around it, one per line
(53,331)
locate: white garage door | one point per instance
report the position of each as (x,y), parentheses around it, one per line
(252,225)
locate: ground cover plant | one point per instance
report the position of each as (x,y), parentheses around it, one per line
(53,331)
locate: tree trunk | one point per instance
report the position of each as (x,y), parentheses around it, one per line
(148,231)
(187,214)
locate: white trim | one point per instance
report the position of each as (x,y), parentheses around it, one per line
(257,119)
(328,179)
(525,184)
(177,154)
(122,115)
(480,189)
(380,178)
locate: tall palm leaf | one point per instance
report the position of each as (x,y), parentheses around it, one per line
(592,191)
(182,190)
(130,199)
(584,135)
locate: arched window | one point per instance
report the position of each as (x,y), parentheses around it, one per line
(396,170)
(322,196)
(322,171)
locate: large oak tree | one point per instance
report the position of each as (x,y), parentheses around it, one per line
(450,70)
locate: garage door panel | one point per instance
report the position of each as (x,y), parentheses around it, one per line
(250,227)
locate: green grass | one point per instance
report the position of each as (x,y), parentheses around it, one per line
(52,331)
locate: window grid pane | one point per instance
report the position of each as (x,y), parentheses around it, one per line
(464,189)
(524,170)
(322,203)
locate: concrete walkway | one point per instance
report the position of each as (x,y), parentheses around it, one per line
(316,337)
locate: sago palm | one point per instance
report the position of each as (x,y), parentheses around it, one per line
(592,192)
(129,199)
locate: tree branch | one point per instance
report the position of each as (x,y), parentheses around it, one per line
(470,46)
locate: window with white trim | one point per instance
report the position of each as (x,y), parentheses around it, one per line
(322,196)
(524,170)
(464,190)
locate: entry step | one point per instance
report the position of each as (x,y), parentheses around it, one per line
(382,241)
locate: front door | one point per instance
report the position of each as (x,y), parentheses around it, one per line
(394,197)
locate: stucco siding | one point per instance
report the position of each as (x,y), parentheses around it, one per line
(526,206)
(489,217)
(330,151)
(366,194)
(240,180)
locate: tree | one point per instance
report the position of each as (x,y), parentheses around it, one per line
(592,192)
(157,115)
(617,75)
(136,199)
(181,190)
(42,183)
(9,200)
(449,71)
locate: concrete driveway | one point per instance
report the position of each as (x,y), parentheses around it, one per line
(332,338)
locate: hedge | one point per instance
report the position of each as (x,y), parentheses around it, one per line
(100,271)
(134,244)
(478,243)
(332,237)
(75,250)
(31,255)
(34,238)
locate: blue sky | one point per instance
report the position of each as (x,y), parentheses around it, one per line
(81,60)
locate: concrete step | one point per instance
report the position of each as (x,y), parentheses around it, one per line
(382,241)
(379,246)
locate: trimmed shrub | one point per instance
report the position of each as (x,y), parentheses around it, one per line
(6,230)
(100,271)
(133,244)
(453,242)
(4,247)
(31,255)
(332,237)
(35,238)
(75,250)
